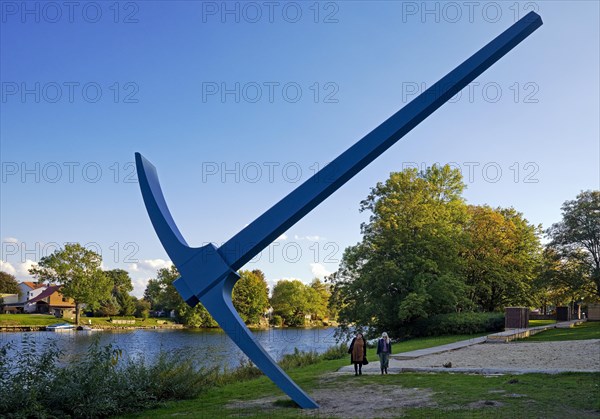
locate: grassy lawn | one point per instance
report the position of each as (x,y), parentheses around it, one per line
(534,323)
(450,395)
(29,320)
(587,330)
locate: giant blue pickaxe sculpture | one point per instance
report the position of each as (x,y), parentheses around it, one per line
(208,274)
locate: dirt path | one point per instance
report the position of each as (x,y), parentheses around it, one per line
(364,401)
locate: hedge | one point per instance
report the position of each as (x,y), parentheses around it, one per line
(457,324)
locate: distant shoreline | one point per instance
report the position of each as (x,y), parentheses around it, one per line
(34,328)
(101,327)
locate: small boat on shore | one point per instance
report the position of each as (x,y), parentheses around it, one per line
(60,327)
(86,329)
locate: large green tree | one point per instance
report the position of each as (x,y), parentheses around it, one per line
(120,302)
(408,264)
(78,271)
(563,279)
(8,284)
(290,300)
(251,296)
(319,295)
(164,296)
(577,236)
(502,254)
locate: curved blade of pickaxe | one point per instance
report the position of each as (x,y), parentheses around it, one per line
(208,274)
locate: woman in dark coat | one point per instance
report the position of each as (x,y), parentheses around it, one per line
(358,353)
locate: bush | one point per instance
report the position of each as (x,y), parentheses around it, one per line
(38,383)
(299,359)
(335,352)
(100,384)
(276,320)
(456,324)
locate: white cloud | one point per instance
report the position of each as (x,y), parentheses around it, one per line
(20,269)
(319,271)
(10,240)
(150,265)
(142,271)
(313,238)
(281,238)
(7,267)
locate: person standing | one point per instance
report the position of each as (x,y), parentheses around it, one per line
(384,349)
(358,353)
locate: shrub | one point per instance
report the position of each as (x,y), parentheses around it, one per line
(456,324)
(335,352)
(299,359)
(101,383)
(276,320)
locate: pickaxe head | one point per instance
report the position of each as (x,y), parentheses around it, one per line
(200,268)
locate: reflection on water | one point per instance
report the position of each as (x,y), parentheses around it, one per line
(207,347)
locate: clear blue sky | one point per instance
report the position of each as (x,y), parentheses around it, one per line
(264,91)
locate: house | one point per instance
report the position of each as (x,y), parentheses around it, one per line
(29,290)
(7,299)
(51,301)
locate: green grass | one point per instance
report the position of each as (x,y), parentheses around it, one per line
(422,343)
(532,395)
(534,323)
(29,320)
(587,330)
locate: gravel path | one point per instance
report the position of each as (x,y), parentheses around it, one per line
(580,355)
(513,357)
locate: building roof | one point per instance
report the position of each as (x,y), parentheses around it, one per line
(33,285)
(44,294)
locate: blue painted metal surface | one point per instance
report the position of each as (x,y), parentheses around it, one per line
(208,273)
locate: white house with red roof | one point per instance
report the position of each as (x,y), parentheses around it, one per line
(21,303)
(29,290)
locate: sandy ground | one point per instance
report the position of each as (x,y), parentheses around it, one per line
(580,355)
(364,401)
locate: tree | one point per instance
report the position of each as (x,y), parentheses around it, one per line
(165,297)
(152,292)
(290,301)
(251,296)
(319,295)
(78,272)
(8,284)
(408,264)
(577,236)
(142,308)
(502,254)
(120,298)
(563,279)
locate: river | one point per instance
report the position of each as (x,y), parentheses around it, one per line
(208,347)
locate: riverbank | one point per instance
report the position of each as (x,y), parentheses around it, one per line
(39,322)
(407,394)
